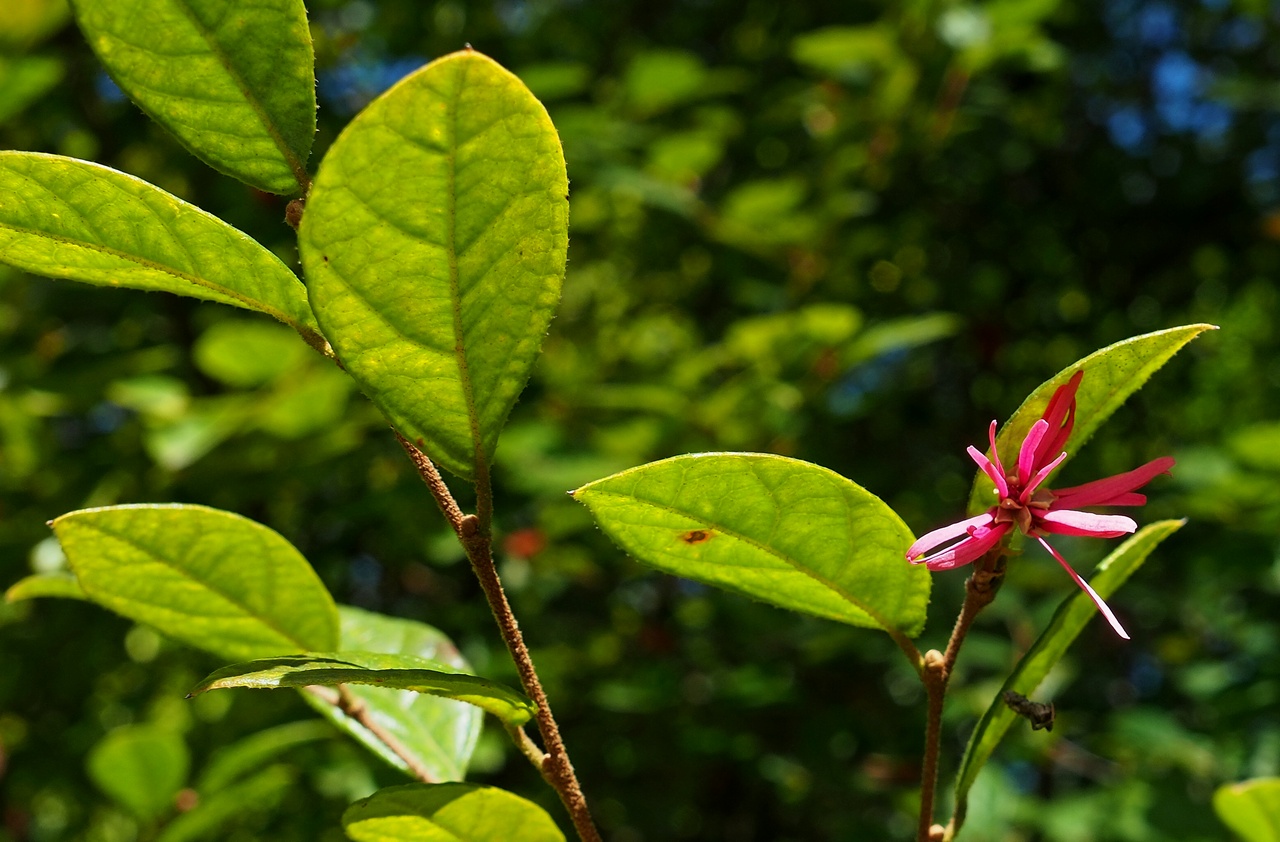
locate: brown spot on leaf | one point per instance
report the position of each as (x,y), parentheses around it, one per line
(696,536)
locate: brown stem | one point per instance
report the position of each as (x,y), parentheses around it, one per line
(473,534)
(935,685)
(979,590)
(344,700)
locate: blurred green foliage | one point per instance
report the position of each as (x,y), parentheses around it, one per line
(851,233)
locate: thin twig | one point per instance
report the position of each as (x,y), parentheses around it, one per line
(527,747)
(435,484)
(474,535)
(979,590)
(935,685)
(555,766)
(354,707)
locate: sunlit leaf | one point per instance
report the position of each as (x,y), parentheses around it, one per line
(1072,616)
(45,584)
(233,81)
(779,530)
(1111,375)
(65,218)
(440,733)
(393,672)
(142,767)
(448,813)
(212,579)
(434,245)
(1251,809)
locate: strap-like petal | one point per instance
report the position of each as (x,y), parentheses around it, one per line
(980,540)
(1070,522)
(1030,488)
(938,537)
(1097,600)
(997,476)
(1061,415)
(1112,491)
(1027,455)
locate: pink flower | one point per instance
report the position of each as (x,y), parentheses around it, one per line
(1035,510)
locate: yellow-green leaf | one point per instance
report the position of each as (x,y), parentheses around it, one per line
(1251,809)
(65,218)
(234,81)
(778,530)
(45,584)
(212,579)
(434,245)
(448,813)
(1111,375)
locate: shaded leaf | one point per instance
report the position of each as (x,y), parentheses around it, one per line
(441,733)
(1111,376)
(1072,616)
(779,530)
(234,82)
(24,79)
(1250,808)
(142,767)
(393,672)
(434,246)
(448,813)
(252,796)
(249,754)
(245,354)
(45,584)
(212,579)
(65,218)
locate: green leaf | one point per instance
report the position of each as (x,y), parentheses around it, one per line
(776,529)
(441,733)
(65,218)
(245,799)
(212,579)
(250,754)
(142,767)
(434,246)
(394,672)
(45,584)
(1072,616)
(245,354)
(233,81)
(448,813)
(1111,375)
(24,79)
(1251,809)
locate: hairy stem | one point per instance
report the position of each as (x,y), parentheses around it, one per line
(979,590)
(474,535)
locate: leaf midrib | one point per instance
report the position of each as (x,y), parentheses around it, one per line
(295,164)
(794,565)
(455,294)
(124,539)
(195,280)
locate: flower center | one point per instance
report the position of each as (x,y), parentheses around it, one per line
(1011,509)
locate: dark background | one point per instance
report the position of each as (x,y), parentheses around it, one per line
(854,246)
